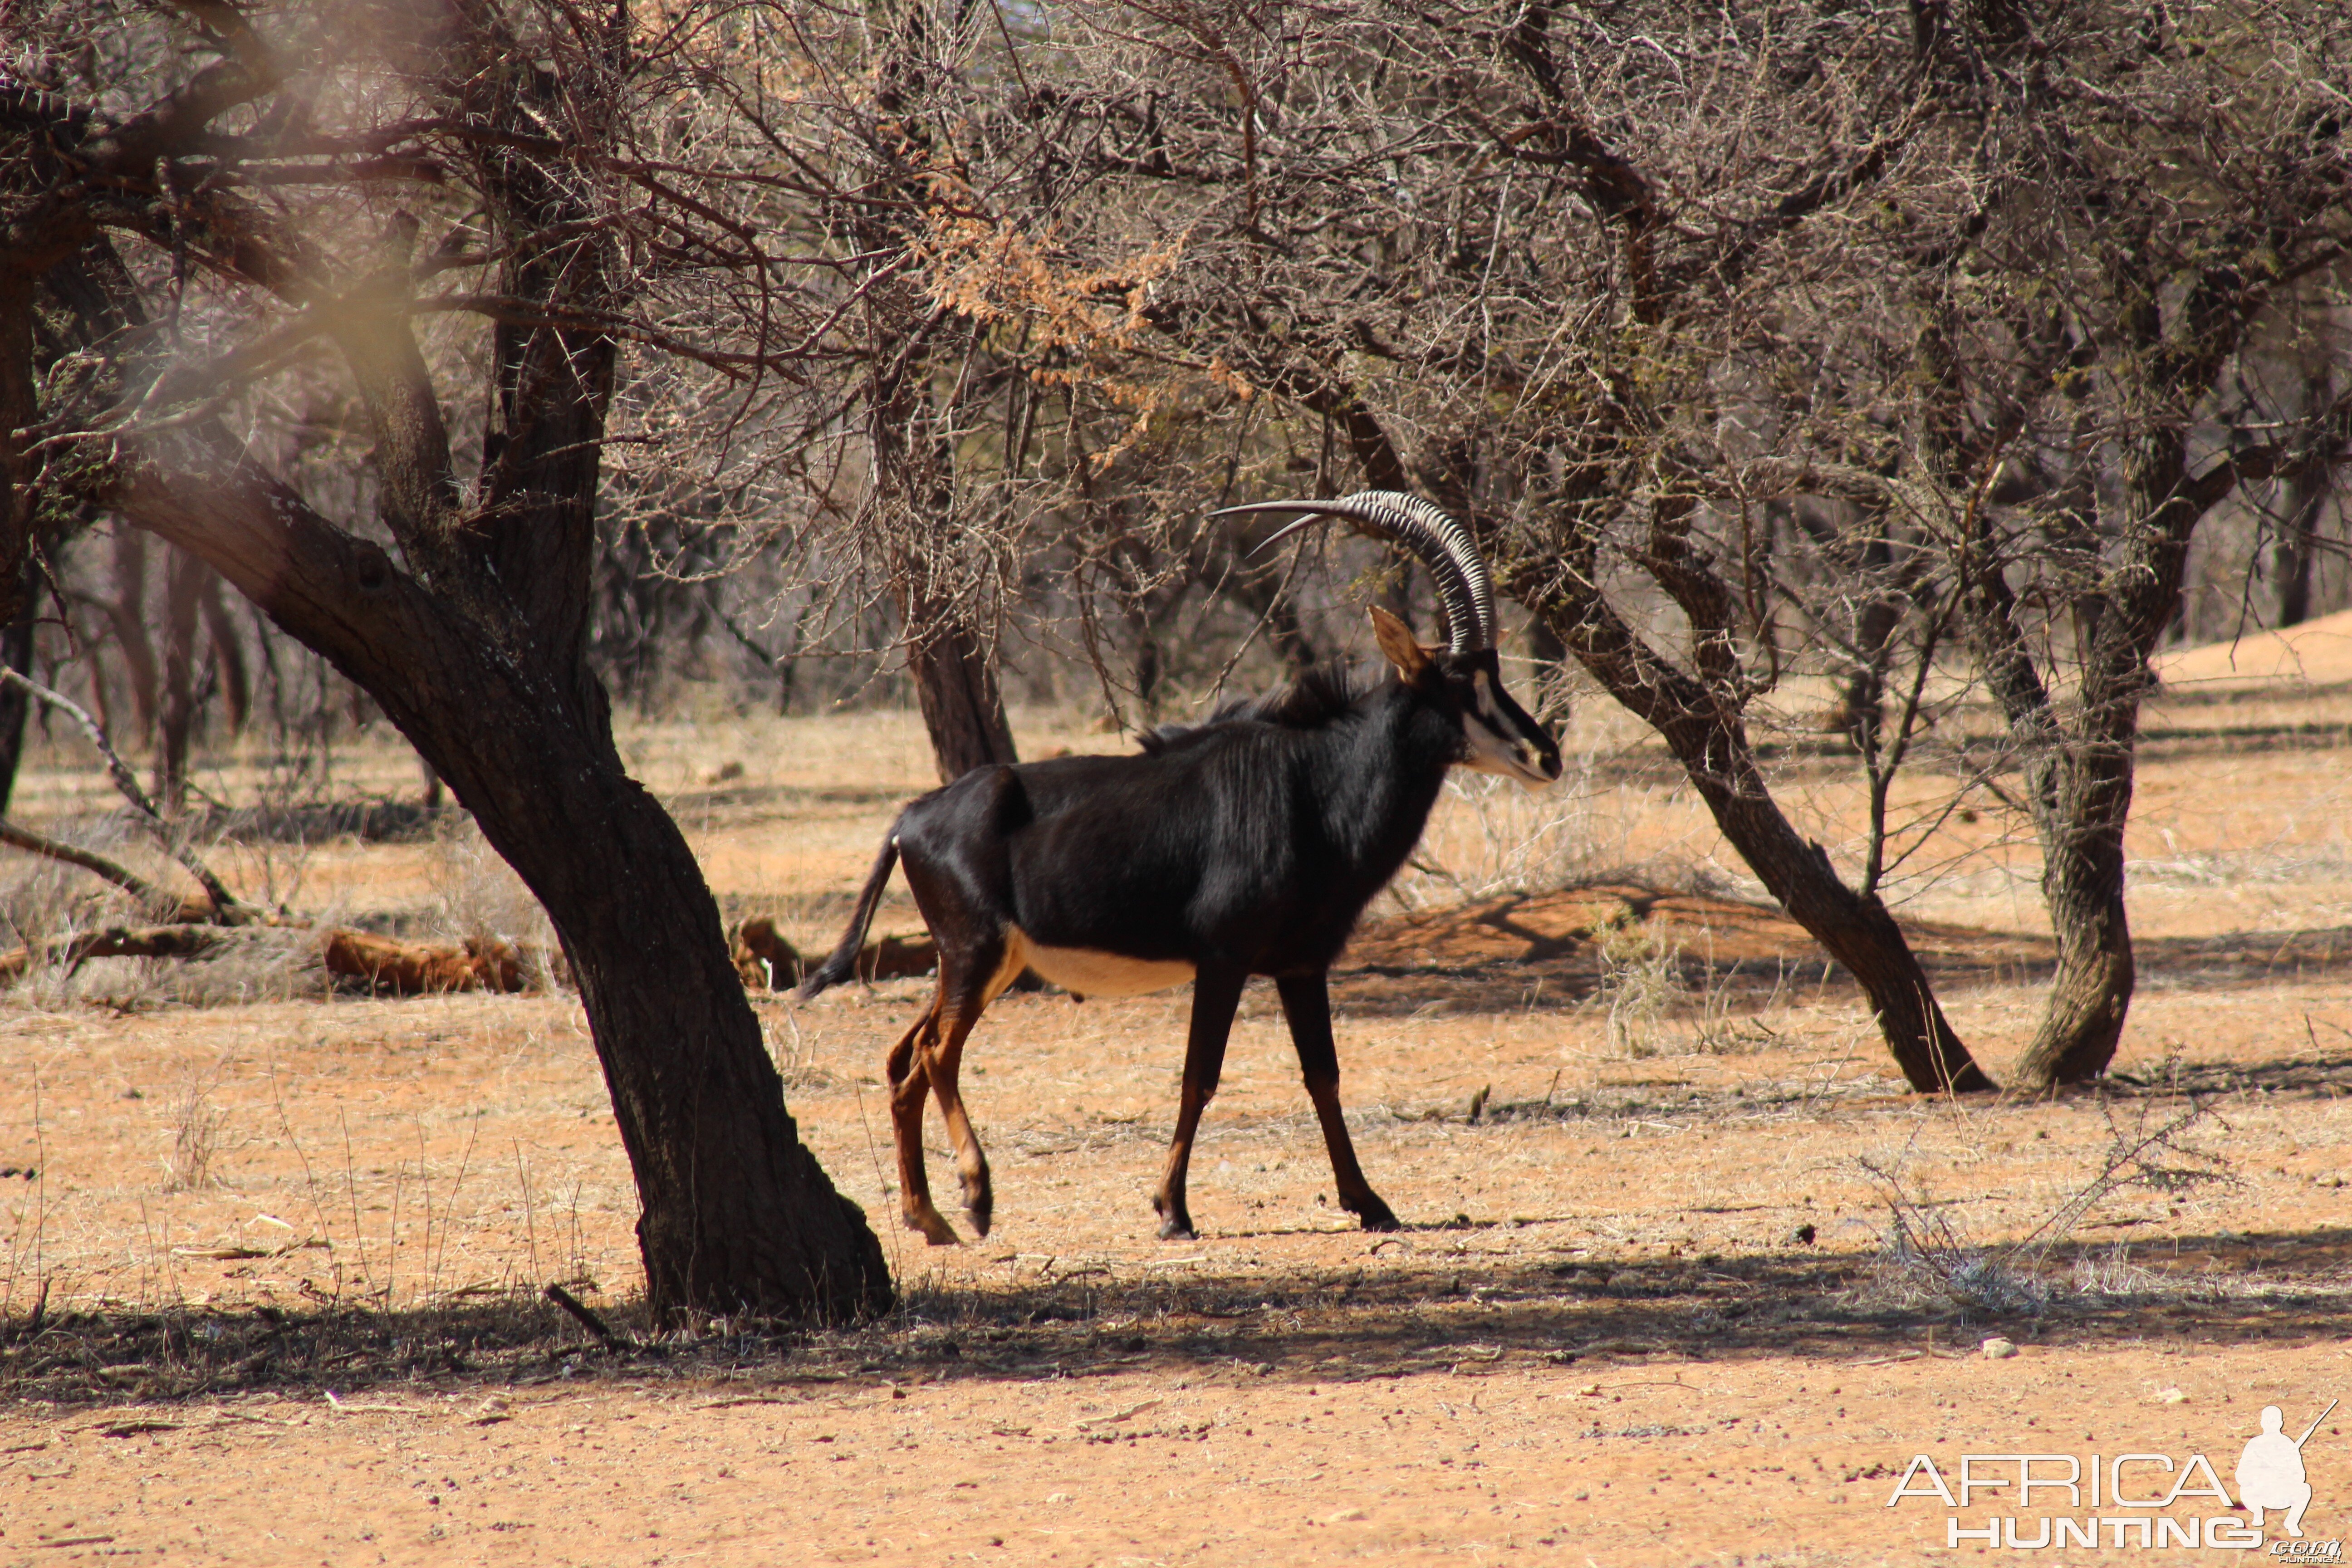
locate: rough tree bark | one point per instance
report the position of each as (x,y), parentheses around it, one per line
(1555,574)
(737,1214)
(17,638)
(2304,498)
(913,428)
(954,669)
(955,684)
(2078,750)
(175,713)
(126,617)
(2302,495)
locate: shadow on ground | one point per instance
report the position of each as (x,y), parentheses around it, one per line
(1418,1312)
(2322,1075)
(1535,950)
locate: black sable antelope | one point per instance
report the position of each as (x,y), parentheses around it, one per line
(1244,845)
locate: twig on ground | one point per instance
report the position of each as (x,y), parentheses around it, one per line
(1928,1247)
(588,1319)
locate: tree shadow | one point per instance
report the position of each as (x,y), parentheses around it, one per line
(1421,1309)
(1525,952)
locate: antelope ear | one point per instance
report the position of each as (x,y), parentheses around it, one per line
(1397,645)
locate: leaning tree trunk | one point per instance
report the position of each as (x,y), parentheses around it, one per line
(476,644)
(1856,929)
(1709,740)
(478,654)
(738,1217)
(1711,745)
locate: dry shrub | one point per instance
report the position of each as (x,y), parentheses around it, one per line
(247,964)
(47,904)
(1928,1259)
(2110,1275)
(1492,836)
(1641,981)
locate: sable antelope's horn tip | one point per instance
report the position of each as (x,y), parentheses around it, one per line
(1256,506)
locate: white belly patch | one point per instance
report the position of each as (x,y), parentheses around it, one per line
(1092,973)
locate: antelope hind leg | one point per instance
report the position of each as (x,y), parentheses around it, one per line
(909,1086)
(980,979)
(943,1064)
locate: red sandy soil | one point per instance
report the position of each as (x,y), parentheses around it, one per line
(272,1295)
(2318,652)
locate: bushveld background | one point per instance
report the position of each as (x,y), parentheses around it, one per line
(1687,1275)
(1906,439)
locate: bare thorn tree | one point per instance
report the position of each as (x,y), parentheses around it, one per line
(385,193)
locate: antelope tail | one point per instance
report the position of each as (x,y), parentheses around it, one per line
(843,964)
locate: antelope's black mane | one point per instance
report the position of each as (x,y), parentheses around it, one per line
(1316,697)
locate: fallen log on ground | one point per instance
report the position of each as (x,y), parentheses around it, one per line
(382,965)
(18,836)
(119,941)
(899,958)
(913,957)
(387,965)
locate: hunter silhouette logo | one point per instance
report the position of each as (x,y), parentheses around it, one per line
(2270,1472)
(2117,1502)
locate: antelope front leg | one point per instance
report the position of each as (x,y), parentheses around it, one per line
(1306,1003)
(909,1086)
(1216,993)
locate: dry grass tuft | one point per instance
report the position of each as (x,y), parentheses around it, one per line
(1641,981)
(1644,981)
(477,896)
(199,1135)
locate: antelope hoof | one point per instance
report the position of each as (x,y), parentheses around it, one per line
(981,1211)
(1375,1215)
(936,1231)
(1175,1223)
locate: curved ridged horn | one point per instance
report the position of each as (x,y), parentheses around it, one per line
(1437,541)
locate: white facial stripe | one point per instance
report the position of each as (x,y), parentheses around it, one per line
(1484,728)
(1492,715)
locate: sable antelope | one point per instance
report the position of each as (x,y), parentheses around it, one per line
(1247,845)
